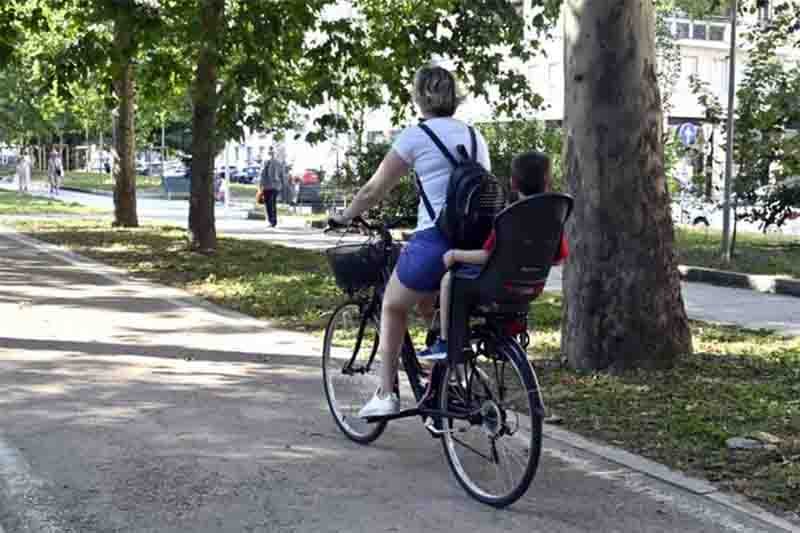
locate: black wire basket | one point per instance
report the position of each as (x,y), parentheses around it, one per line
(360,266)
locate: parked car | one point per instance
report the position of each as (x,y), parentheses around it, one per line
(694,211)
(233,173)
(250,174)
(310,177)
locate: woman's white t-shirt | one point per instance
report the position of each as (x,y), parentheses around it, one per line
(416,148)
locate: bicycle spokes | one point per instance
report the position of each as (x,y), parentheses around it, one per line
(489,449)
(351,371)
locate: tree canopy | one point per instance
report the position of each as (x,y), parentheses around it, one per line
(766,142)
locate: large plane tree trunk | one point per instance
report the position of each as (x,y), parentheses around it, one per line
(204,116)
(124,140)
(623,306)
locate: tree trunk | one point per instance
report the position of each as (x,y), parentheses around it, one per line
(123,153)
(623,306)
(204,117)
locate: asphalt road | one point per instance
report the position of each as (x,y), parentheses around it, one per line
(132,407)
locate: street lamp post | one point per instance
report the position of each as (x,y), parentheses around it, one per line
(227,180)
(726,211)
(163,152)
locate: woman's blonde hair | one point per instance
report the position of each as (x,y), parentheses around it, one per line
(436,91)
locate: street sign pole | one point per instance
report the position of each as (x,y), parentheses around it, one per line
(726,206)
(163,152)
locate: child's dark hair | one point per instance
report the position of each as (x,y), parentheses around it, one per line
(530,172)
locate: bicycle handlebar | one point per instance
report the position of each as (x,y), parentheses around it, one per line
(359,221)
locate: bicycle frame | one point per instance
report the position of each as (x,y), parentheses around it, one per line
(371,309)
(474,402)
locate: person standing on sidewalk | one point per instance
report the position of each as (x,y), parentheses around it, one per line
(295,182)
(24,172)
(271,183)
(55,171)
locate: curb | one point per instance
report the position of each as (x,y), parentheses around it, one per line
(99,192)
(96,192)
(756,282)
(699,487)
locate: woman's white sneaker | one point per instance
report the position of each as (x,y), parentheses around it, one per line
(380,405)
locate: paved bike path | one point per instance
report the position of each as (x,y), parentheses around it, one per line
(129,406)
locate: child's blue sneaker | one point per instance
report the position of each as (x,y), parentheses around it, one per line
(437,351)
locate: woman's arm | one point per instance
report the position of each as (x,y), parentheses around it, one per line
(389,172)
(473,257)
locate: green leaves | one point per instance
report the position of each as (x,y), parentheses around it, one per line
(768,108)
(369,58)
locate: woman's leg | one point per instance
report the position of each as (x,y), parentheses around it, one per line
(444,305)
(426,307)
(398,301)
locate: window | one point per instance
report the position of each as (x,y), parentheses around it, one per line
(711,29)
(699,32)
(716,33)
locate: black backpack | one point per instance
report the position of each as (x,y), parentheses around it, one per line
(473,198)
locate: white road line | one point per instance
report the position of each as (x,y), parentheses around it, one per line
(24,493)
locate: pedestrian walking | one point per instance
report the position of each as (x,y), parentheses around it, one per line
(295,192)
(55,171)
(24,172)
(273,174)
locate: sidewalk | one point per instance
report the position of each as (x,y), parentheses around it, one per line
(134,406)
(703,301)
(729,305)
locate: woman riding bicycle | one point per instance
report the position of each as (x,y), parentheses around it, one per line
(420,268)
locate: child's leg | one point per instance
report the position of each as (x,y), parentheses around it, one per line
(444,305)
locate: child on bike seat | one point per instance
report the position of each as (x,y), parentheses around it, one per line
(530,174)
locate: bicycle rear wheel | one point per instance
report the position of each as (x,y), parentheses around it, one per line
(493,453)
(351,370)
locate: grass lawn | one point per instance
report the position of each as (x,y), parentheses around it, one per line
(104,182)
(13,203)
(739,383)
(755,253)
(244,192)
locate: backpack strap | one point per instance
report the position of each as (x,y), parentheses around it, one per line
(446,153)
(428,206)
(462,150)
(439,144)
(474,140)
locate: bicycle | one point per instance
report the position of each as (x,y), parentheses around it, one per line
(490,425)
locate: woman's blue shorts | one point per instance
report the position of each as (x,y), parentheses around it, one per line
(420,266)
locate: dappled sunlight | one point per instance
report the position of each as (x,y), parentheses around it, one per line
(266,280)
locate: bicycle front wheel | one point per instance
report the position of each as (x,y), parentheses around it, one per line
(494,450)
(351,370)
